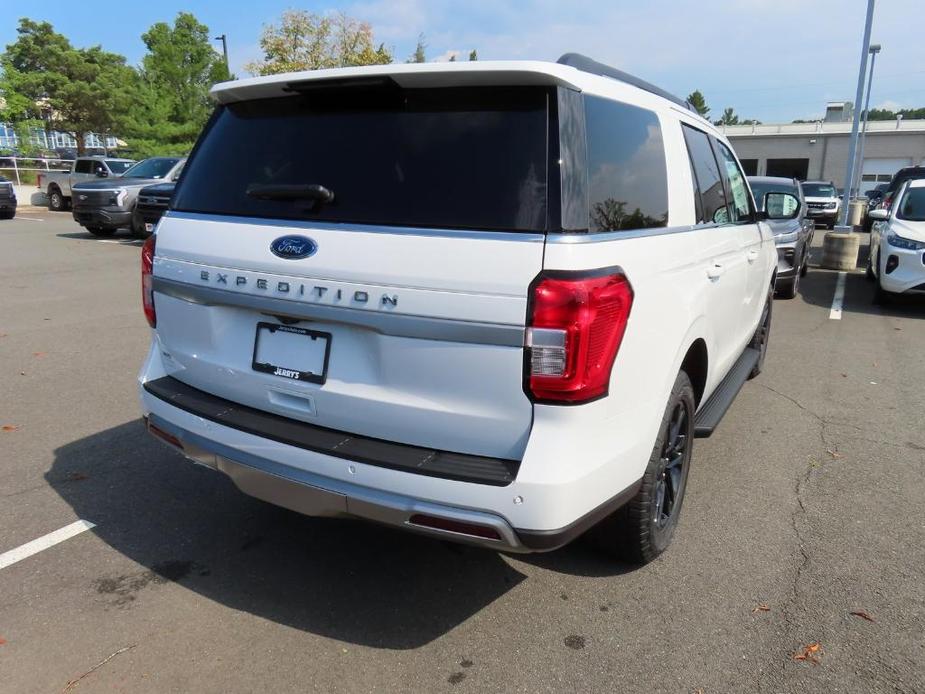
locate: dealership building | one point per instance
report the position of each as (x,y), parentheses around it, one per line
(819,150)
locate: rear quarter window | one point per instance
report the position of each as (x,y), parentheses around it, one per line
(445,158)
(627,175)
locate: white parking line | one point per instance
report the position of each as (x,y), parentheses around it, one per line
(44,542)
(839,298)
(28,219)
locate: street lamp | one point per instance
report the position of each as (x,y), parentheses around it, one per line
(859,169)
(853,144)
(224,41)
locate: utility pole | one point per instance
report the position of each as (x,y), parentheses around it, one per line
(859,97)
(859,169)
(224,40)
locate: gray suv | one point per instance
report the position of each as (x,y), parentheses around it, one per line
(793,234)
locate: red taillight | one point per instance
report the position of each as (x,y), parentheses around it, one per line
(575,331)
(147,280)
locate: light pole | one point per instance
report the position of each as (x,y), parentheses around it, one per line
(224,40)
(859,169)
(859,96)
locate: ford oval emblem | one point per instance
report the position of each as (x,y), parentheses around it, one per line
(293,247)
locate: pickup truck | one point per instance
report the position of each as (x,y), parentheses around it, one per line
(103,206)
(57,184)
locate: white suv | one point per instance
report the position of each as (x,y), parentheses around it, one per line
(491,302)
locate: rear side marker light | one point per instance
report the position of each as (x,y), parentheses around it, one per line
(454,526)
(147,280)
(575,329)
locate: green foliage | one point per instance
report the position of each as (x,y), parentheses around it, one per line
(695,99)
(729,117)
(906,113)
(309,41)
(473,54)
(75,90)
(170,101)
(419,55)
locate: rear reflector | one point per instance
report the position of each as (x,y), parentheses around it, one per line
(576,327)
(164,436)
(454,526)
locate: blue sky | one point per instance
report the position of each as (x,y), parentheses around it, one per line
(774,60)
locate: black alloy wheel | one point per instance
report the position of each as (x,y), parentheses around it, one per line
(671,479)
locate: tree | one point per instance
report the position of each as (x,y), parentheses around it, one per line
(729,117)
(74,90)
(171,102)
(309,41)
(419,55)
(473,55)
(695,99)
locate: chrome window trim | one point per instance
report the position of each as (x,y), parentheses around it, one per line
(605,236)
(307,224)
(394,324)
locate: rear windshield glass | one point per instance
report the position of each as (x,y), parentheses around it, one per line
(760,189)
(157,167)
(451,157)
(118,167)
(818,190)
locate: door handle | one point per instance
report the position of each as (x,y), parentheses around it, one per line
(715,272)
(752,256)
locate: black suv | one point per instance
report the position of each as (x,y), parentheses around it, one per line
(908,174)
(151,205)
(7,199)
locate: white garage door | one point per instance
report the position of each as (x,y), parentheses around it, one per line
(878,171)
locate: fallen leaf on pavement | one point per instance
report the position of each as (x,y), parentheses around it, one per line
(2,640)
(808,653)
(38,354)
(9,427)
(897,328)
(77,476)
(761,607)
(863,615)
(844,375)
(833,453)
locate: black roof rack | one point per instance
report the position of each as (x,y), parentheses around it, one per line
(586,64)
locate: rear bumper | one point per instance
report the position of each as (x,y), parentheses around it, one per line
(107,219)
(420,501)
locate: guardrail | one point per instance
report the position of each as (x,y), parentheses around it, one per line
(18,165)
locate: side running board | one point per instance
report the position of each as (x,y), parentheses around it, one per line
(710,415)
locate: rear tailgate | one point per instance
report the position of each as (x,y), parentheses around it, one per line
(397,309)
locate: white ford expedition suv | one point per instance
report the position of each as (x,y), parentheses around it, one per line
(490,302)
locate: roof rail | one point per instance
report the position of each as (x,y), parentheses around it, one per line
(586,64)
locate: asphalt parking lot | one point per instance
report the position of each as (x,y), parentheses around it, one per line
(803,532)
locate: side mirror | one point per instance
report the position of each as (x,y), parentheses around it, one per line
(779,206)
(879,215)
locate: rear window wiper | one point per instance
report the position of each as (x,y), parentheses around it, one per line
(290,191)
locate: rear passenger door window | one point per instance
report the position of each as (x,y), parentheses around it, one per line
(707,178)
(627,175)
(740,209)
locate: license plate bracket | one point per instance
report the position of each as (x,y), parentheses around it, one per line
(297,354)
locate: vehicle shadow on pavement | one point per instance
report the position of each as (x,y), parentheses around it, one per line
(818,288)
(352,581)
(123,238)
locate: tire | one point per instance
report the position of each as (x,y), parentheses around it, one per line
(762,335)
(56,201)
(7,215)
(788,290)
(138,227)
(642,529)
(100,231)
(804,268)
(881,296)
(869,271)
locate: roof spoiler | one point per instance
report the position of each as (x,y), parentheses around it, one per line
(586,64)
